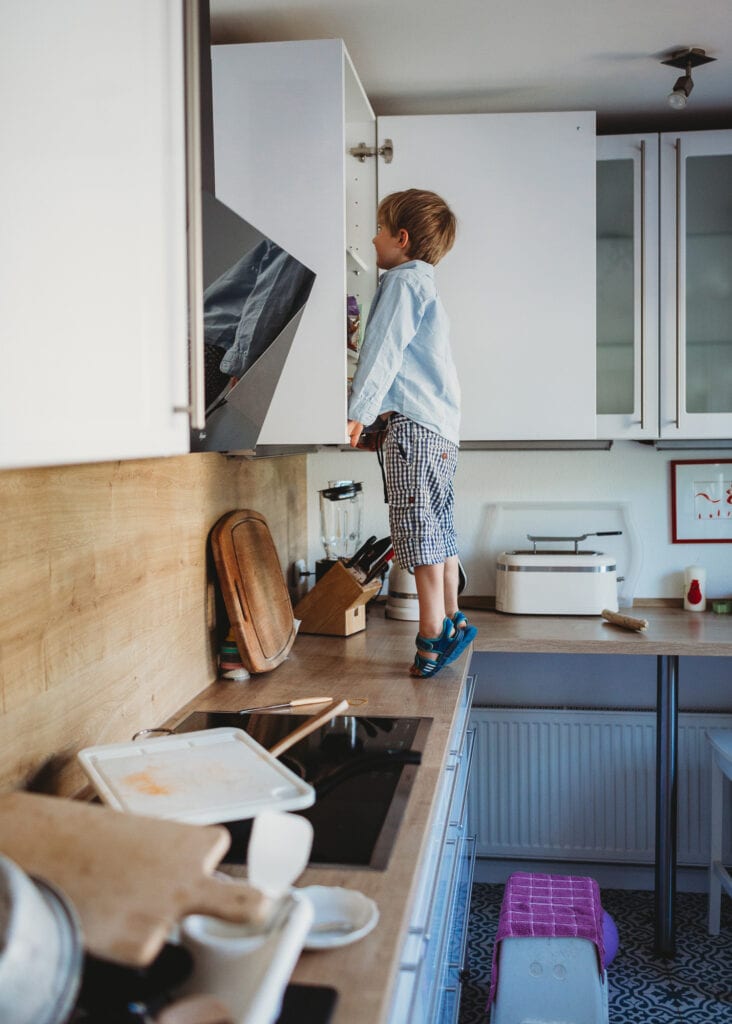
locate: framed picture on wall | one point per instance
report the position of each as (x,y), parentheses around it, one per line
(701,501)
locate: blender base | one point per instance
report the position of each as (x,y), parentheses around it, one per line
(322,566)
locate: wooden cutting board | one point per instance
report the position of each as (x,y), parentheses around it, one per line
(254,589)
(130,878)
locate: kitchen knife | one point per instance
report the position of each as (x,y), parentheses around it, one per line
(361,551)
(379,566)
(374,554)
(289,704)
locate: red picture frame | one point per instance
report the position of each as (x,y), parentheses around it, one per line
(701,501)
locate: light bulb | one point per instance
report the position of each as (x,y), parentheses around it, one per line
(682,88)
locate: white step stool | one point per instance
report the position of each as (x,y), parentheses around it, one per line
(549,981)
(555,977)
(719,878)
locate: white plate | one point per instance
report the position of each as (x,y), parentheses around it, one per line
(202,777)
(351,914)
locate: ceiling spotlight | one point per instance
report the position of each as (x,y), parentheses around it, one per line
(687,59)
(680,93)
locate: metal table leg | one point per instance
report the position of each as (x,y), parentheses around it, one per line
(667,729)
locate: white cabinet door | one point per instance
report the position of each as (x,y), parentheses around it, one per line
(285,116)
(519,286)
(696,285)
(92,206)
(627,286)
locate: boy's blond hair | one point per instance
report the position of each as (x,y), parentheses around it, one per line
(427,219)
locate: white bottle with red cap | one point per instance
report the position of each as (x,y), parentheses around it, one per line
(695,588)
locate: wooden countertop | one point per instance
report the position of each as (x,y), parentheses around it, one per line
(373,665)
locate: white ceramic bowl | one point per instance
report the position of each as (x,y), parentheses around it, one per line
(41,950)
(340,916)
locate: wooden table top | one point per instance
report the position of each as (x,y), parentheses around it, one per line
(670,631)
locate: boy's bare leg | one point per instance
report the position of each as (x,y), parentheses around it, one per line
(430,581)
(437,587)
(451,583)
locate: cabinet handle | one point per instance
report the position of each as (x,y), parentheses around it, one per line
(196,408)
(678,283)
(643,285)
(470,748)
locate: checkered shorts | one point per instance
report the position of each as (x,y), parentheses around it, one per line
(420,466)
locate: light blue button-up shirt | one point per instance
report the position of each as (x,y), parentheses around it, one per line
(405,363)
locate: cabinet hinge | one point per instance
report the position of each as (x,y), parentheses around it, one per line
(361,151)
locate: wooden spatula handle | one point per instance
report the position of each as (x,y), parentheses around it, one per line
(313,723)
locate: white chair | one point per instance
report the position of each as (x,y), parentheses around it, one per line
(719,878)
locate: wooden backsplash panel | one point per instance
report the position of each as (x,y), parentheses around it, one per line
(103,583)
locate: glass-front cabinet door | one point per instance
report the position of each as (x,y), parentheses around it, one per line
(627,286)
(696,284)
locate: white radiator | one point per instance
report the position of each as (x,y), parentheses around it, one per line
(580,785)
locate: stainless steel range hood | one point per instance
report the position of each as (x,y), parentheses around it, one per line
(253,299)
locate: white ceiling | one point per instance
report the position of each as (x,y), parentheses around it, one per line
(470,56)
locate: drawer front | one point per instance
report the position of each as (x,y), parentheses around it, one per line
(437,935)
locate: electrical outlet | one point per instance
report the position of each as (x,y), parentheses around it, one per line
(298,580)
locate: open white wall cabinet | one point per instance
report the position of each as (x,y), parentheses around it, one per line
(285,115)
(519,286)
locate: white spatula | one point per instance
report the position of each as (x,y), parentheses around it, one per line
(279,848)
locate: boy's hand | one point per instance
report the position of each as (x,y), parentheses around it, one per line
(354,431)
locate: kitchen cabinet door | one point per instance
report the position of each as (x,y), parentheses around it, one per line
(93,266)
(627,286)
(696,284)
(433,956)
(285,117)
(519,285)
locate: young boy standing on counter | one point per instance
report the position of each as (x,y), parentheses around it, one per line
(406,375)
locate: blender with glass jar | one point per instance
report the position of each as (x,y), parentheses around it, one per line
(341,517)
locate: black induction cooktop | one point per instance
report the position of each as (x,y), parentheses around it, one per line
(362,770)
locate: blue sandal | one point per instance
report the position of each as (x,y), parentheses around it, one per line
(469,632)
(448,646)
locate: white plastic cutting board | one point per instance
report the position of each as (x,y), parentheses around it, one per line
(203,777)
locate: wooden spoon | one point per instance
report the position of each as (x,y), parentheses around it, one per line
(313,723)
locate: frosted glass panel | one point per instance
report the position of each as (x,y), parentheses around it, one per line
(709,284)
(615,287)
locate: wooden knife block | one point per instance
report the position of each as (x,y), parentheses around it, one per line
(336,605)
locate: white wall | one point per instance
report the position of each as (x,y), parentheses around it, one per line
(629,472)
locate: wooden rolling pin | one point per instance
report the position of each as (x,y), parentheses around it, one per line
(626,621)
